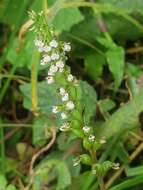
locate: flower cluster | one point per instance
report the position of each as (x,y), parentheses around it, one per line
(54,55)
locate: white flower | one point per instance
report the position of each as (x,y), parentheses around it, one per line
(70,78)
(65,97)
(55,109)
(61,70)
(47,48)
(67,47)
(47,58)
(41,49)
(91,138)
(65,127)
(60,64)
(63,116)
(53,69)
(102,141)
(70,105)
(50,80)
(62,91)
(55,56)
(116,166)
(38,43)
(76,161)
(53,44)
(42,62)
(86,129)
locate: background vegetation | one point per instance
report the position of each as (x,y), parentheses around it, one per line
(106,39)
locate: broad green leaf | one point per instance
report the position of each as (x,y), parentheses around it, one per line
(121,153)
(115,59)
(134,171)
(128,183)
(88,101)
(50,170)
(105,106)
(64,177)
(3,182)
(11,187)
(125,118)
(40,130)
(130,5)
(24,55)
(94,65)
(66,18)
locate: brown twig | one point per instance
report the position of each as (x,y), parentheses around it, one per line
(36,156)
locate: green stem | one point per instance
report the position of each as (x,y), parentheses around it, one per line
(34,74)
(101,183)
(2,149)
(45,6)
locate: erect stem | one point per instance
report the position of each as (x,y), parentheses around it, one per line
(99,177)
(34,73)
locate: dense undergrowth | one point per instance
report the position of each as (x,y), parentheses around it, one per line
(71,95)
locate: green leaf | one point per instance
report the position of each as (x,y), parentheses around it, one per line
(40,126)
(125,118)
(130,5)
(128,183)
(115,59)
(106,105)
(66,18)
(11,187)
(64,177)
(94,65)
(134,171)
(88,101)
(121,153)
(3,182)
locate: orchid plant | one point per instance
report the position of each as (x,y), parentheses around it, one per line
(53,55)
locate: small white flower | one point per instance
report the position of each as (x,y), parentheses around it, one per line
(86,129)
(116,166)
(55,56)
(91,138)
(62,91)
(61,70)
(63,116)
(53,44)
(50,80)
(38,43)
(47,48)
(65,97)
(47,59)
(55,109)
(41,49)
(70,105)
(65,127)
(70,78)
(67,47)
(53,69)
(102,141)
(42,62)
(60,64)
(76,161)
